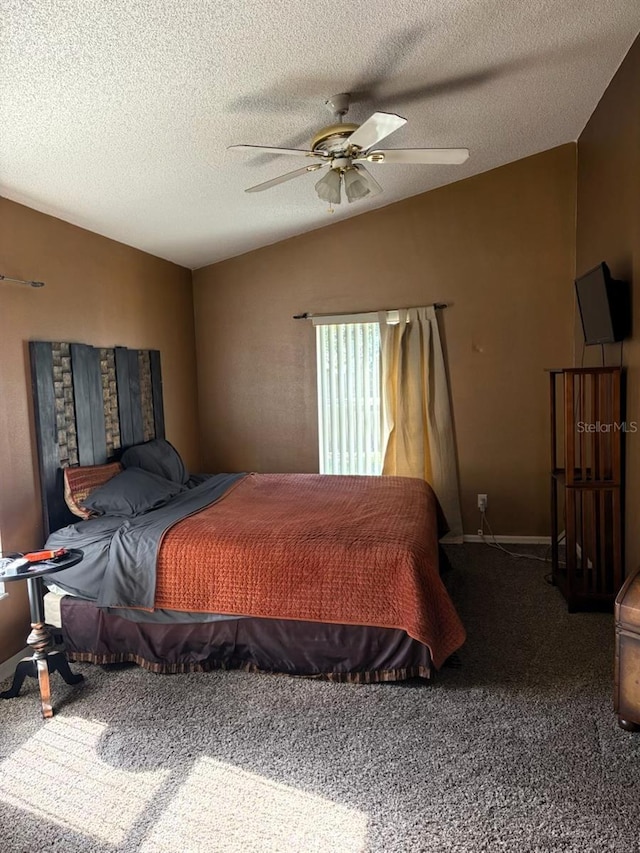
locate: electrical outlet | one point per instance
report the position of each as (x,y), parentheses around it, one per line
(482,503)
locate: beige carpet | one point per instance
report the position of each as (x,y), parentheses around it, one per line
(513,748)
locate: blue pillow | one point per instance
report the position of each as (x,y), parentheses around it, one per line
(132,493)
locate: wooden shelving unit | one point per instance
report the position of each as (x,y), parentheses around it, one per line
(586,484)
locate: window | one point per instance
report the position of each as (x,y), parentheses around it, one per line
(349,409)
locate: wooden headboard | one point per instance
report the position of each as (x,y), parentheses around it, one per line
(90,404)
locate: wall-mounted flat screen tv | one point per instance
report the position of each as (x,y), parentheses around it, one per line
(604,306)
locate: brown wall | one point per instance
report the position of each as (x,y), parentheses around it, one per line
(499,247)
(608,229)
(98,292)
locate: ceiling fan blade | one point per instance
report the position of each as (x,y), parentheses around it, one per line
(296,152)
(281,179)
(434,156)
(375,128)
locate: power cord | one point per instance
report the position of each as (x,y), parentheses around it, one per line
(498,547)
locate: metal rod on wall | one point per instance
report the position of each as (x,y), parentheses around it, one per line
(22,281)
(307,316)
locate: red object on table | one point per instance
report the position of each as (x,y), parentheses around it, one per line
(40,556)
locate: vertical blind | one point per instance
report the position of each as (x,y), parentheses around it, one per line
(349,408)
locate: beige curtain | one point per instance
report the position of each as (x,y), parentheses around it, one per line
(418,436)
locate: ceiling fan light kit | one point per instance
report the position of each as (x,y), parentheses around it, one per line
(342,146)
(328,187)
(359,183)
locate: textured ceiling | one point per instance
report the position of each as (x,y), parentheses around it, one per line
(116,115)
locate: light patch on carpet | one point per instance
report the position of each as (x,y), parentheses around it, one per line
(57,775)
(230,810)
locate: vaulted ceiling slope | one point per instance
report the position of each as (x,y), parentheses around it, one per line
(117,116)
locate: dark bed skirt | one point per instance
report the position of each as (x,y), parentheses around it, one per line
(352,653)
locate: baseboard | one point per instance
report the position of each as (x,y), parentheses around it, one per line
(509,540)
(8,666)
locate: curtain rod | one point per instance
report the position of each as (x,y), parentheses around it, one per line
(307,316)
(22,281)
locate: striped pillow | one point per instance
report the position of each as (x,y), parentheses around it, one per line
(79,482)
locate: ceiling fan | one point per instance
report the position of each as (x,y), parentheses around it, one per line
(344,147)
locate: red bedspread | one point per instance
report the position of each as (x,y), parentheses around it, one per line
(350,550)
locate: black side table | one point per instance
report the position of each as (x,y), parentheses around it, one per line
(44,660)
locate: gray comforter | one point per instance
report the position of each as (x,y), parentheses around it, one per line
(119,566)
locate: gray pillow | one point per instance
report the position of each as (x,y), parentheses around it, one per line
(158,457)
(132,493)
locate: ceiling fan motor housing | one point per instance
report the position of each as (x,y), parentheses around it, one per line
(334,138)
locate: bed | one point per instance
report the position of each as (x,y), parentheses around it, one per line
(325,576)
